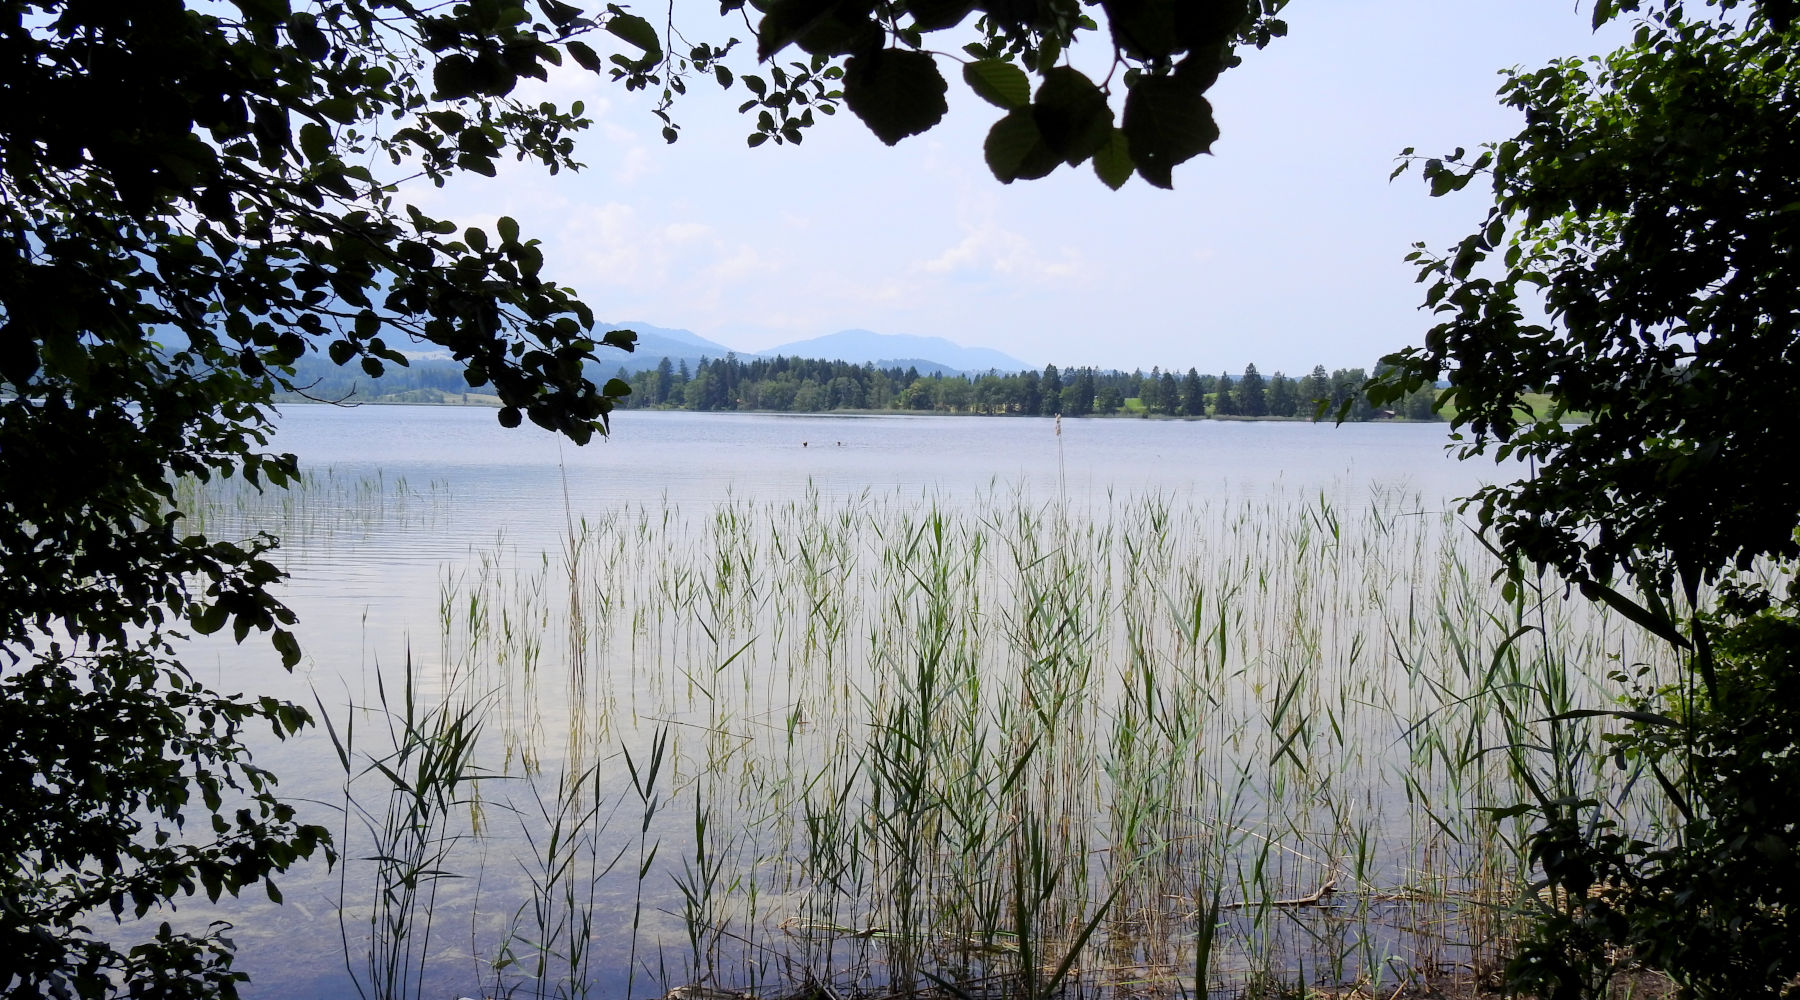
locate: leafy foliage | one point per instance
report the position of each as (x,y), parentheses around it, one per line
(1166,54)
(103,758)
(1715,907)
(226,205)
(166,258)
(1650,199)
(1648,203)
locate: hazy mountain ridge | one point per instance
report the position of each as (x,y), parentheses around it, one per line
(655,343)
(890,349)
(930,355)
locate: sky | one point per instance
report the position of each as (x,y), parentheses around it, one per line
(1283,249)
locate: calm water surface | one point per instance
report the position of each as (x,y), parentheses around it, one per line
(522,487)
(368,579)
(700,456)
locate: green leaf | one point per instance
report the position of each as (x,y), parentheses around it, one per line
(936,15)
(315,141)
(288,646)
(636,31)
(585,56)
(508,228)
(454,77)
(1657,625)
(1145,29)
(1015,149)
(998,82)
(560,14)
(309,41)
(1071,114)
(1167,123)
(1202,28)
(784,21)
(895,93)
(1645,718)
(1112,161)
(209,619)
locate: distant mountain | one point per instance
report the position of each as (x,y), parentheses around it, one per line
(655,343)
(886,350)
(925,367)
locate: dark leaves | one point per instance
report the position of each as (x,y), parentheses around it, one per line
(1167,122)
(896,93)
(1015,149)
(1071,114)
(998,82)
(636,31)
(1112,161)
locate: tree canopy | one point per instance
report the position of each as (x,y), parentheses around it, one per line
(195,197)
(1639,265)
(1648,206)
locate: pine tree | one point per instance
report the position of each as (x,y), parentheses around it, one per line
(1224,403)
(1171,394)
(1052,389)
(1284,397)
(659,387)
(1314,389)
(1251,396)
(1193,395)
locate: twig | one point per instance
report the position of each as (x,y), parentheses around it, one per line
(1313,900)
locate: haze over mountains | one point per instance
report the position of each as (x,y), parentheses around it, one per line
(859,347)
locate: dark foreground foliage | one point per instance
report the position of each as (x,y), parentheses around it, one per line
(196,197)
(1649,201)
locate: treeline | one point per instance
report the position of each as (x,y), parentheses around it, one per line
(799,385)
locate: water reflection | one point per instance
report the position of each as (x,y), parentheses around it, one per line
(798,710)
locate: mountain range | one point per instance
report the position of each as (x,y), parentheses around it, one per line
(858,347)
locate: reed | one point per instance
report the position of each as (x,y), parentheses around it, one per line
(398,804)
(893,743)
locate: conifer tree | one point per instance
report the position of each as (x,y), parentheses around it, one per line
(1251,396)
(1224,401)
(1193,395)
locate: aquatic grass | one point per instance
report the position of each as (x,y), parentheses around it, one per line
(1007,745)
(406,823)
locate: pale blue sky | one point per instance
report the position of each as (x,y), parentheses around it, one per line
(1282,249)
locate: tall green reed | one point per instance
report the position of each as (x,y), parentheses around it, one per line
(905,742)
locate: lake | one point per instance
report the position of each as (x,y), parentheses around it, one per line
(768,700)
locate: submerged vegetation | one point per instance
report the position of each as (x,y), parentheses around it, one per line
(891,743)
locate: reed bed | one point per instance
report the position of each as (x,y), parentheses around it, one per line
(893,744)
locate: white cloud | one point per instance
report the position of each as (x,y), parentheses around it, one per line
(685,232)
(633,165)
(990,248)
(739,264)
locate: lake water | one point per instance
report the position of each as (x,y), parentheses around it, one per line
(700,456)
(590,592)
(527,484)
